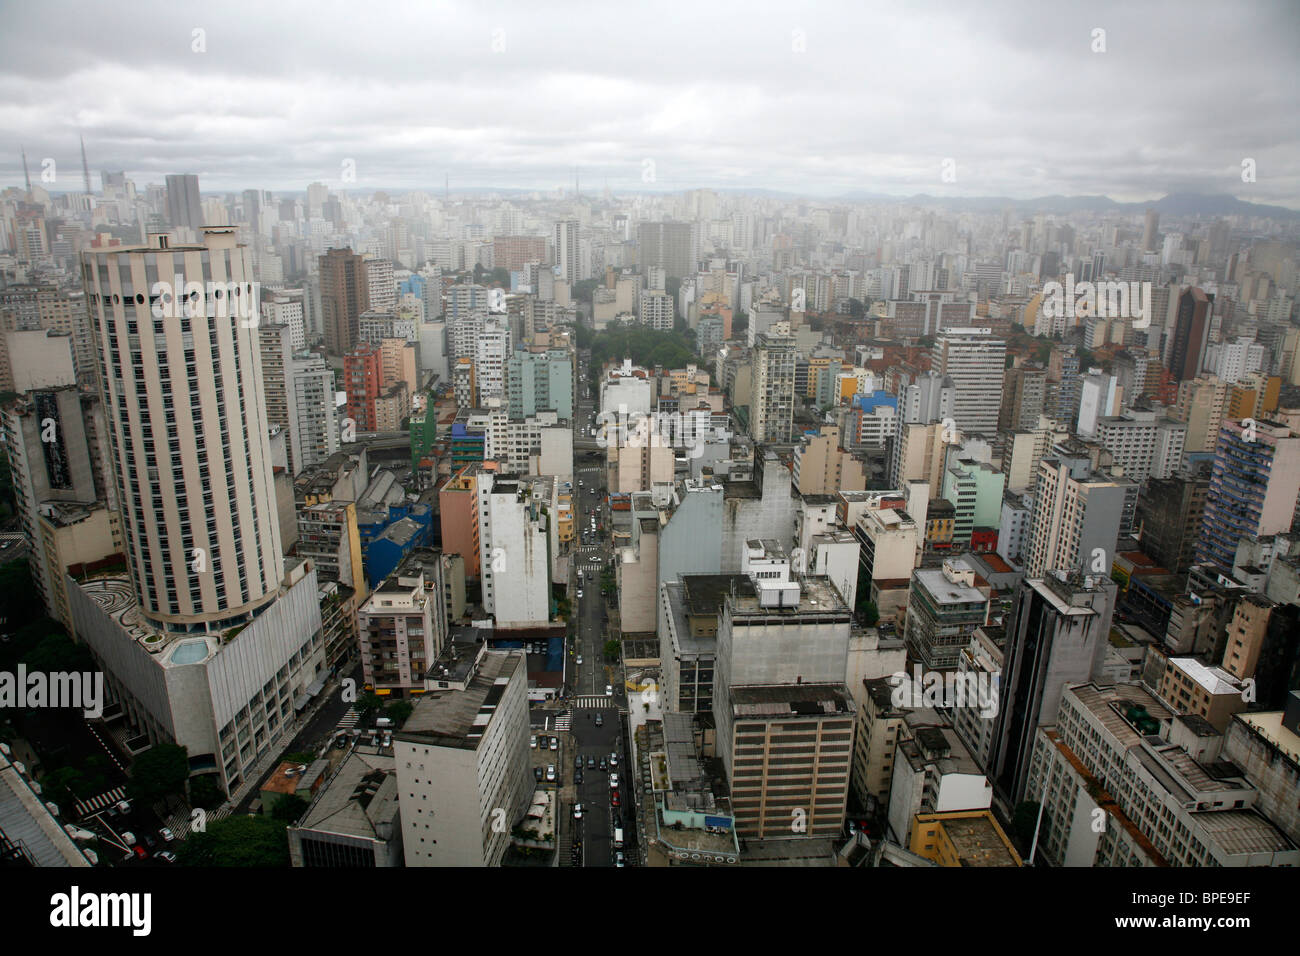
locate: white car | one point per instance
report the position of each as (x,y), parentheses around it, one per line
(577,811)
(550,773)
(613,781)
(579,592)
(609,690)
(579,658)
(532,741)
(613,760)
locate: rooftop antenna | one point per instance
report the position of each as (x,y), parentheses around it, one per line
(26,175)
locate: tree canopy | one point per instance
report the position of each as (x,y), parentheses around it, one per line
(238,841)
(159,772)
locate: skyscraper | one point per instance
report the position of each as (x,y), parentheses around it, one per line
(772,417)
(184,209)
(1253,488)
(1078,514)
(345,294)
(187,426)
(566,250)
(1191,334)
(975,361)
(671,246)
(1150,231)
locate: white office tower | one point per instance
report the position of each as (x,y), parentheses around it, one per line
(277,388)
(465,311)
(566,251)
(380,284)
(975,361)
(1099,397)
(315,408)
(286,307)
(657,311)
(492,351)
(514,535)
(210,644)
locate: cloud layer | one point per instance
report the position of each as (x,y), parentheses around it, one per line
(820,99)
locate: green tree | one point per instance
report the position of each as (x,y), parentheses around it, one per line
(58,652)
(206,792)
(369,702)
(870,614)
(856,309)
(398,711)
(158,772)
(289,809)
(583,289)
(611,650)
(238,841)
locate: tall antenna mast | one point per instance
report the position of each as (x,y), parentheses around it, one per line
(85,167)
(26,175)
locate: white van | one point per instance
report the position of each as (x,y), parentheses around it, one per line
(618,838)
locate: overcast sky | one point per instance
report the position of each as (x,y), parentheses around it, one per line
(818,99)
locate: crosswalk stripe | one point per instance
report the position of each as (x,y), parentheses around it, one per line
(84,807)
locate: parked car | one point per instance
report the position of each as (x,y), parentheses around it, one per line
(577,777)
(123,806)
(550,773)
(167,835)
(613,781)
(537,773)
(141,853)
(579,659)
(613,760)
(577,811)
(618,859)
(604,764)
(591,763)
(532,741)
(600,720)
(577,762)
(166,855)
(555,743)
(614,799)
(609,690)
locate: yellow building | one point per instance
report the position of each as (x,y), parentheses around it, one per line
(962,838)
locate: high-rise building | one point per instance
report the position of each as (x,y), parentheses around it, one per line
(188,428)
(381,290)
(1024,397)
(345,294)
(541,381)
(657,310)
(403,625)
(491,354)
(1191,334)
(566,235)
(771,419)
(184,207)
(515,545)
(1253,488)
(363,380)
(1170,511)
(1056,635)
(1142,445)
(1078,514)
(315,408)
(1202,404)
(671,246)
(975,361)
(1150,231)
(463,761)
(943,609)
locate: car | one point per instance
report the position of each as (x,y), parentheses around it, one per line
(167,835)
(579,658)
(166,855)
(141,853)
(123,806)
(150,842)
(609,690)
(128,837)
(600,720)
(579,592)
(853,828)
(577,777)
(614,799)
(537,773)
(550,773)
(591,763)
(532,741)
(577,811)
(613,781)
(618,859)
(555,743)
(613,760)
(577,762)
(604,765)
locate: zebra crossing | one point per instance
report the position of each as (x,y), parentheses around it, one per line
(181,821)
(85,808)
(590,567)
(563,722)
(590,702)
(349,720)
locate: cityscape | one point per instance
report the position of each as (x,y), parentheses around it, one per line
(583,474)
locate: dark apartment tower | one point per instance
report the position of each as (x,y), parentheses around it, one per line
(344,295)
(1151,231)
(1056,633)
(1191,334)
(183,206)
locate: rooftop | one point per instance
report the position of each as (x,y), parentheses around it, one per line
(457,718)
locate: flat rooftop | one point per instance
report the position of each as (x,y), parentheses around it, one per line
(456,718)
(361,795)
(794,700)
